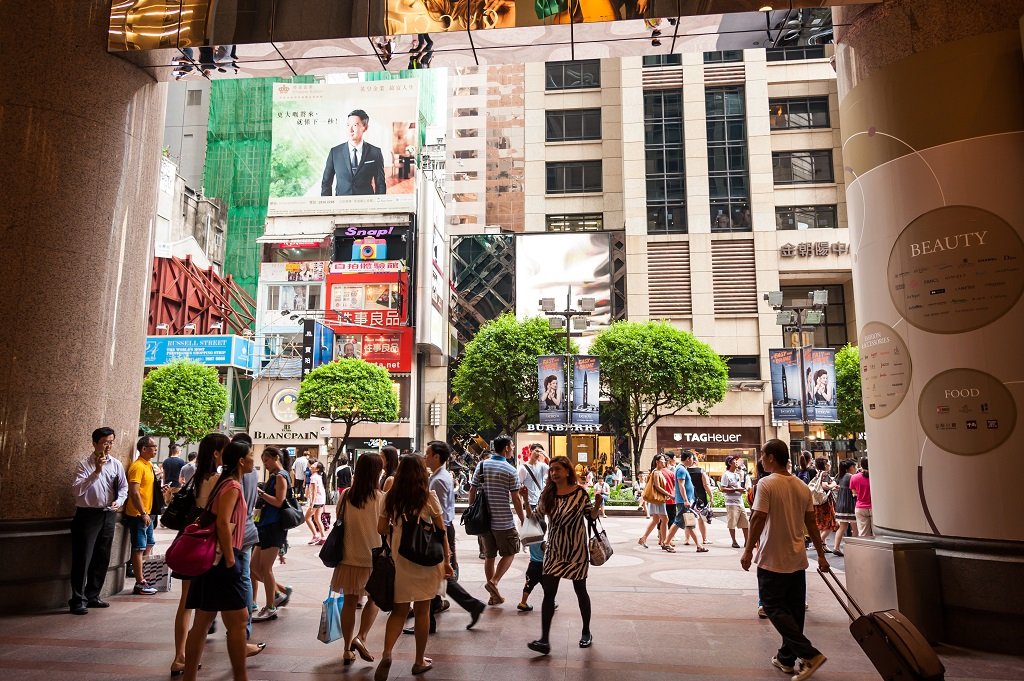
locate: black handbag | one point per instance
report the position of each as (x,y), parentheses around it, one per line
(333,549)
(477,516)
(290,515)
(421,542)
(182,510)
(381,584)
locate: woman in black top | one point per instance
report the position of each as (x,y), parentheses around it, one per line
(844,503)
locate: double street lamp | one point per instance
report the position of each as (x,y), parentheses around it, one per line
(571,320)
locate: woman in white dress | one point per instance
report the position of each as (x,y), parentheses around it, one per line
(408,499)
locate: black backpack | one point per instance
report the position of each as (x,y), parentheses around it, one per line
(477,517)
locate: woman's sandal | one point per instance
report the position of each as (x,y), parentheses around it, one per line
(669,548)
(642,543)
(360,647)
(253,649)
(420,669)
(701,549)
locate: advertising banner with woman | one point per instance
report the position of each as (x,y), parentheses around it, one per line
(551,385)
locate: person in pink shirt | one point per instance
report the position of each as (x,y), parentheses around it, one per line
(860,485)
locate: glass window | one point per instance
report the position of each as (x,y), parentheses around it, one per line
(574,177)
(802,167)
(725,108)
(795,53)
(831,333)
(575,222)
(572,75)
(795,114)
(805,217)
(194,98)
(573,125)
(294,297)
(723,56)
(744,367)
(653,60)
(663,146)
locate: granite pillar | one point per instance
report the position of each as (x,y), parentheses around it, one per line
(80,134)
(932,104)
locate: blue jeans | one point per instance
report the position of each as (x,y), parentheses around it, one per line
(243,560)
(140,533)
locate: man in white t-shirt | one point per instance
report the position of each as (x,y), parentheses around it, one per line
(782,513)
(299,474)
(732,488)
(532,473)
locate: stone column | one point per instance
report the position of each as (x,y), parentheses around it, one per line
(932,120)
(80,134)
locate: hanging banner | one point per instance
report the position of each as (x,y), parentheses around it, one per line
(317,345)
(820,384)
(784,366)
(586,390)
(551,389)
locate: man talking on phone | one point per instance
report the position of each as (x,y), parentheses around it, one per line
(100,489)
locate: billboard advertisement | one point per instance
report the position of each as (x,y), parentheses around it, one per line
(313,270)
(217,351)
(820,384)
(370,249)
(551,389)
(586,390)
(344,147)
(784,365)
(317,345)
(549,265)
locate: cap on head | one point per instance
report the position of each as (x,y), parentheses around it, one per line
(729,459)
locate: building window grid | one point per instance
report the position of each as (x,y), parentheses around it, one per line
(803,167)
(575,222)
(728,178)
(795,53)
(723,56)
(831,333)
(806,217)
(654,60)
(665,162)
(573,125)
(799,113)
(572,75)
(573,177)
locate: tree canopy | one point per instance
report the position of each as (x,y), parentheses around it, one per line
(650,370)
(348,391)
(183,401)
(496,380)
(848,394)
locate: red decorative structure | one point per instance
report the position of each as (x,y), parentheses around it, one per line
(182,294)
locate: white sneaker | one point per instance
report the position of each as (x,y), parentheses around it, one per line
(265,614)
(788,669)
(808,667)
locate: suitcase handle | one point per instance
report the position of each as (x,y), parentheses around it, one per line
(842,595)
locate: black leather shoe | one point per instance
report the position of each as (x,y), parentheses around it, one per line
(97,603)
(79,610)
(474,615)
(586,640)
(542,647)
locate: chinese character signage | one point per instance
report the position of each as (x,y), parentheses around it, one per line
(226,350)
(817,249)
(338,147)
(586,390)
(317,345)
(551,386)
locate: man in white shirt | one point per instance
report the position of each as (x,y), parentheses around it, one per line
(782,513)
(299,474)
(533,473)
(732,487)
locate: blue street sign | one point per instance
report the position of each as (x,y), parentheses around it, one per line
(209,350)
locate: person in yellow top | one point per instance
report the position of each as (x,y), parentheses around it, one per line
(136,511)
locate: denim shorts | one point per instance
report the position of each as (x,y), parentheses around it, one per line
(142,535)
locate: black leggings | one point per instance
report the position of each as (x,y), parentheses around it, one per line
(547,611)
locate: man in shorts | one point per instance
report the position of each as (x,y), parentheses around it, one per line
(137,518)
(732,487)
(500,483)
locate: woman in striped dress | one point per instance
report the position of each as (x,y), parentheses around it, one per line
(567,507)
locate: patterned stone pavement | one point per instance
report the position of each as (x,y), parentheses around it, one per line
(657,617)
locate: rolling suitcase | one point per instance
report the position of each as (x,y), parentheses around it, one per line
(893,644)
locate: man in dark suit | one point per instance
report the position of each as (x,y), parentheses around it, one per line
(355,167)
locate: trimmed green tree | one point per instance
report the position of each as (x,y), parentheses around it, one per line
(183,401)
(849,400)
(650,370)
(496,381)
(348,391)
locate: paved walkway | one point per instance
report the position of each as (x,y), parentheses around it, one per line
(657,617)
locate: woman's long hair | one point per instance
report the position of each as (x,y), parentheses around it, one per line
(547,496)
(408,494)
(365,480)
(233,453)
(390,456)
(206,460)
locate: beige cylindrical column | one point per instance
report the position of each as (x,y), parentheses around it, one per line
(932,104)
(80,134)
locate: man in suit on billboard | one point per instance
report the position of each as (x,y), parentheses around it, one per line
(355,167)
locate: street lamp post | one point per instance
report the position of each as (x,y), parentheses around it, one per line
(559,319)
(801,315)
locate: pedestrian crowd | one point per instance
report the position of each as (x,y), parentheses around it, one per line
(394,540)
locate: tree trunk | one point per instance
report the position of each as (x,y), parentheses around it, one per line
(332,458)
